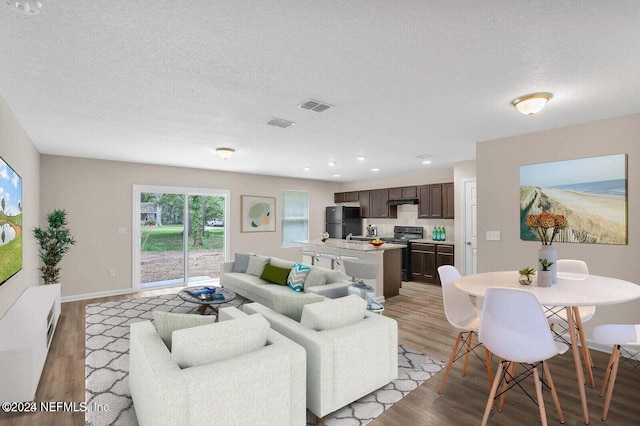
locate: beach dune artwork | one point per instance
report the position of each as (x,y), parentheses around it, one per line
(590,192)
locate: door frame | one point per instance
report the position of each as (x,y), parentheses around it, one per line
(136,227)
(463,240)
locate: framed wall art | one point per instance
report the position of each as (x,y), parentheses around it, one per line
(591,193)
(258,213)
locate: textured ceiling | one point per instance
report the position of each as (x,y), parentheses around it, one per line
(166,82)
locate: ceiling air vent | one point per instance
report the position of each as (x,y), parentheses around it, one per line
(280,122)
(314,105)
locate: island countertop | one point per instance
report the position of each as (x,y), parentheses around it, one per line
(351,245)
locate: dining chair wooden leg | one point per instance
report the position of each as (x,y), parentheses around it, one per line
(585,349)
(468,347)
(487,356)
(578,366)
(492,394)
(538,384)
(509,375)
(607,372)
(554,394)
(612,382)
(452,357)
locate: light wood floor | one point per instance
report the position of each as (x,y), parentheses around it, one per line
(422,326)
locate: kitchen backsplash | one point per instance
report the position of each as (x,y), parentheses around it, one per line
(408,216)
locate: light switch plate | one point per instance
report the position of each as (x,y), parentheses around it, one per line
(122,230)
(493,235)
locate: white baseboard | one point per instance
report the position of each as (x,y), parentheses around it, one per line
(96,295)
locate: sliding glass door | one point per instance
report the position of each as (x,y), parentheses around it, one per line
(181,236)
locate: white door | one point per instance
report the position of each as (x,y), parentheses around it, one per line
(470,228)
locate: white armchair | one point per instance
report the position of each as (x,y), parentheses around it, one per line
(350,352)
(263,385)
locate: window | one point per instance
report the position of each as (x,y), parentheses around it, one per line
(295,217)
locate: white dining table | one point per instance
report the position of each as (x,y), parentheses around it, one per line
(570,292)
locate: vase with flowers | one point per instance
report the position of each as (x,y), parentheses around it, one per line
(324,236)
(547,225)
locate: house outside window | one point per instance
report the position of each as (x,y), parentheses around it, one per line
(295,217)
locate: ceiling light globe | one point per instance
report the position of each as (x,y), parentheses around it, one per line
(532,103)
(225,152)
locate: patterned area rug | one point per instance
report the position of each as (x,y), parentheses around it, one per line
(107,365)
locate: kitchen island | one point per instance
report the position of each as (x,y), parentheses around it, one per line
(388,257)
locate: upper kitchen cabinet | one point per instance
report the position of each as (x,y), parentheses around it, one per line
(436,201)
(378,207)
(365,201)
(345,197)
(448,199)
(403,193)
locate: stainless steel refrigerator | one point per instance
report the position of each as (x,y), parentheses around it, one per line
(341,221)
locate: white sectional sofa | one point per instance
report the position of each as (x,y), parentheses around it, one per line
(234,372)
(321,281)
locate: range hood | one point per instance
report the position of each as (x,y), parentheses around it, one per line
(404,201)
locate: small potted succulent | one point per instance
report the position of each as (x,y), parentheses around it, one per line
(544,276)
(525,275)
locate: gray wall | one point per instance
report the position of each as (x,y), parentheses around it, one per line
(17,150)
(498,175)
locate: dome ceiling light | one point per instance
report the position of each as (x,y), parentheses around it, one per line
(532,103)
(225,152)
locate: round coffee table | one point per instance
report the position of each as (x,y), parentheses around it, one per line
(207,297)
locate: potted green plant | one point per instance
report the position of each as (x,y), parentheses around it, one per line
(525,275)
(54,243)
(544,276)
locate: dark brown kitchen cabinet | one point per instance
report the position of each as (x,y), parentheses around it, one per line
(448,199)
(345,197)
(427,258)
(403,193)
(365,200)
(430,201)
(423,263)
(378,207)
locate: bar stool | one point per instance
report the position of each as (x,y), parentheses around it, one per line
(361,270)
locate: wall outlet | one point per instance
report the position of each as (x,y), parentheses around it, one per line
(493,235)
(112,273)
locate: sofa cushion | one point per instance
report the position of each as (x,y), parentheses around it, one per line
(219,341)
(315,277)
(275,275)
(281,263)
(333,313)
(297,276)
(256,265)
(291,305)
(168,322)
(240,263)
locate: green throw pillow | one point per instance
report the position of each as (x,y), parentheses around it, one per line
(275,275)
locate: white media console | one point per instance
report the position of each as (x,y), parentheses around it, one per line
(26,331)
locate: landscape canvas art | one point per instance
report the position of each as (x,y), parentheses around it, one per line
(590,192)
(10,222)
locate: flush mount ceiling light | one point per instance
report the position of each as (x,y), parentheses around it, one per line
(27,7)
(225,152)
(532,103)
(361,158)
(332,163)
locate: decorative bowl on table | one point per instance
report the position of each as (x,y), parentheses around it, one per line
(376,243)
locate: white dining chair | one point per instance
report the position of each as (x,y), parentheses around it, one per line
(618,336)
(465,318)
(572,269)
(514,327)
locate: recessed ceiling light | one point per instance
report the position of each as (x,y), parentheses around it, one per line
(306,169)
(361,158)
(336,176)
(375,170)
(332,163)
(426,162)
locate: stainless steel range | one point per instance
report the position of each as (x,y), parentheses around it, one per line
(403,235)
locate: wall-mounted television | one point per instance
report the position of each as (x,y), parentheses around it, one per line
(10,222)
